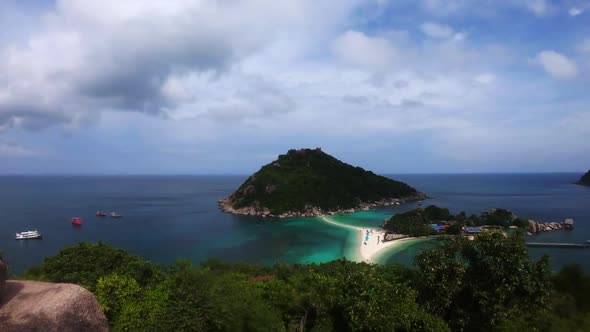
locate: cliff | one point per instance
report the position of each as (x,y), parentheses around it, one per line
(309,182)
(584,180)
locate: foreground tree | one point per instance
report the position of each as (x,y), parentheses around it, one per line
(476,285)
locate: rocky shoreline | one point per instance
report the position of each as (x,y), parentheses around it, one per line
(538,227)
(226,205)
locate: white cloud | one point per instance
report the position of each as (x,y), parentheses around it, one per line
(584,46)
(459,36)
(126,55)
(273,74)
(557,65)
(8,149)
(435,30)
(538,7)
(359,49)
(575,11)
(486,78)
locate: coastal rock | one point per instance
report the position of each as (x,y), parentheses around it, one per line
(48,307)
(227,205)
(3,275)
(535,227)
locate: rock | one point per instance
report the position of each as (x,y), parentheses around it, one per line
(532,227)
(3,274)
(48,307)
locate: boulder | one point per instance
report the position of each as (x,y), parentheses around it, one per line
(48,307)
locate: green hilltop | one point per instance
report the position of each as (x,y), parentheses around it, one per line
(585,179)
(311,182)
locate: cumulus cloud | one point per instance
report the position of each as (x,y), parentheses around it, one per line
(575,11)
(126,55)
(435,30)
(273,74)
(359,49)
(557,64)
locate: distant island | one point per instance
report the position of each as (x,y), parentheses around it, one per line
(584,180)
(309,182)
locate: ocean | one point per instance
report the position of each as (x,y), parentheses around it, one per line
(176,217)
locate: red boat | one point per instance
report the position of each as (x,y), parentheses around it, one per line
(77,221)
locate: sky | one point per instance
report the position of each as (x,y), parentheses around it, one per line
(223,87)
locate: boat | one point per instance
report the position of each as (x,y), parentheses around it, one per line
(28,235)
(77,221)
(101,213)
(115,215)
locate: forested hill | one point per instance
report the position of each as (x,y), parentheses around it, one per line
(585,179)
(310,182)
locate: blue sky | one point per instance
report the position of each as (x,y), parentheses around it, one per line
(205,87)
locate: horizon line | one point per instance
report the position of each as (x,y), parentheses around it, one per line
(245,174)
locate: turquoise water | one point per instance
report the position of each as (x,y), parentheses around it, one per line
(166,218)
(405,252)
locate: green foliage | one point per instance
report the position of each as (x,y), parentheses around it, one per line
(86,263)
(521,223)
(455,229)
(417,222)
(497,217)
(308,177)
(435,213)
(476,285)
(572,282)
(113,292)
(488,284)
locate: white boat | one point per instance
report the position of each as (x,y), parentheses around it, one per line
(115,215)
(28,235)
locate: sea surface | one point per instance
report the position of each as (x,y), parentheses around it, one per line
(176,217)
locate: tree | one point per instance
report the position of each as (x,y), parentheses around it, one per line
(455,229)
(85,263)
(478,284)
(114,292)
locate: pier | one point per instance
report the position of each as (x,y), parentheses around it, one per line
(558,245)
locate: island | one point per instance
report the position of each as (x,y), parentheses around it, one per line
(310,182)
(423,224)
(584,180)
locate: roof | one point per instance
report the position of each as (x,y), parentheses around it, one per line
(474,229)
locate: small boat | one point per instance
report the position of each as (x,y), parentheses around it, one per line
(77,221)
(101,213)
(28,235)
(115,215)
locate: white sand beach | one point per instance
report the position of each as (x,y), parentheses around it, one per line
(370,240)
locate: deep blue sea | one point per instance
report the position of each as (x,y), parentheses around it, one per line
(176,217)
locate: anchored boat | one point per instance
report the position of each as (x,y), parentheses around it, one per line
(77,221)
(101,213)
(115,215)
(28,235)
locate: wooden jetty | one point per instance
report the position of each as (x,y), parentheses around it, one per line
(558,245)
